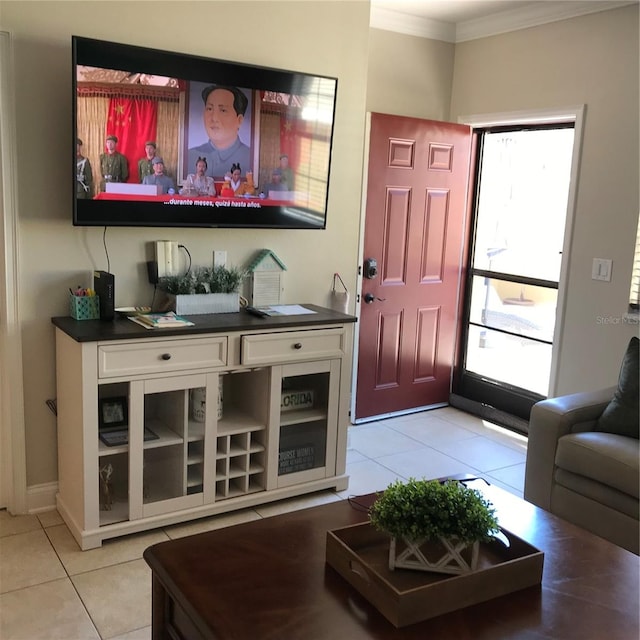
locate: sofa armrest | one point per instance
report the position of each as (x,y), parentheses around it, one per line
(550,420)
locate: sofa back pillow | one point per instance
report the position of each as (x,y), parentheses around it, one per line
(622,414)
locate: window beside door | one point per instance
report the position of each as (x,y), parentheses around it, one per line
(523,176)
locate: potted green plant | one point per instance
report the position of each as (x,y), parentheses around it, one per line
(203,290)
(434,526)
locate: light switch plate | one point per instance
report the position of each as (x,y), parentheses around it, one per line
(601,269)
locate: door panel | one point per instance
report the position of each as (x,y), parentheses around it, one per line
(387,369)
(418,176)
(434,235)
(396,230)
(425,361)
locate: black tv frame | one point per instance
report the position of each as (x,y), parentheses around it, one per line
(188,67)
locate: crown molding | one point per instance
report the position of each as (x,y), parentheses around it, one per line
(531,16)
(412,25)
(503,22)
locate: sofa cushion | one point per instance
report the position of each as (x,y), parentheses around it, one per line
(601,494)
(610,459)
(622,414)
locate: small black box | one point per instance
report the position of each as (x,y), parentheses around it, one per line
(104,285)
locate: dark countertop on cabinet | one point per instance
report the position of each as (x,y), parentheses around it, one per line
(122,328)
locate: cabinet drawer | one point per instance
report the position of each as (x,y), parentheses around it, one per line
(155,357)
(293,346)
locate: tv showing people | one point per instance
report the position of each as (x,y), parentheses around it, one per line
(187,141)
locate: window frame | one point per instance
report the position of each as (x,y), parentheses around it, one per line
(634,288)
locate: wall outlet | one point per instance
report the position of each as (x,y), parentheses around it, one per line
(167,258)
(219,258)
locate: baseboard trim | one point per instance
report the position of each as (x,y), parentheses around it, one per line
(489,413)
(41,497)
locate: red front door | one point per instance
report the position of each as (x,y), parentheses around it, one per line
(417,180)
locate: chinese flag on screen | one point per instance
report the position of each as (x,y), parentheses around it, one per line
(290,129)
(133,121)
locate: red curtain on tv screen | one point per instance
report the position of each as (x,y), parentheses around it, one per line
(133,121)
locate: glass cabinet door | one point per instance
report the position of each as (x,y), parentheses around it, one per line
(113,453)
(306,422)
(171,420)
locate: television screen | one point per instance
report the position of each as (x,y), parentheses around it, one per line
(167,139)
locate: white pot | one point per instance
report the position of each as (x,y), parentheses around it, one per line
(446,555)
(200,303)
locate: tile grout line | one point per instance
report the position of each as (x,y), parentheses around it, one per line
(82,602)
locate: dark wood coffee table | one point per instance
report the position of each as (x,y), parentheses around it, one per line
(267,580)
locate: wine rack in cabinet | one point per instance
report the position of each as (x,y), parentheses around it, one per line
(241,434)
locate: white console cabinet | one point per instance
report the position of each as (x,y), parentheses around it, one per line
(231,413)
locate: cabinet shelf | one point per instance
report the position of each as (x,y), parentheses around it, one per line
(105,450)
(256,447)
(196,431)
(166,436)
(236,471)
(119,512)
(254,468)
(304,415)
(194,478)
(233,451)
(235,491)
(237,421)
(236,450)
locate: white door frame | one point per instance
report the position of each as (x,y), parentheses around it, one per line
(573,114)
(13,466)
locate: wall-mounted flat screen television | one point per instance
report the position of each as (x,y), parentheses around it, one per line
(166,139)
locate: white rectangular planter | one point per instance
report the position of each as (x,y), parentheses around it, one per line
(200,303)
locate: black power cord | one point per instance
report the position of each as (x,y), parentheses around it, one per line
(106,251)
(181,246)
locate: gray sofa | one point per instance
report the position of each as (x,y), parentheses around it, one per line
(583,475)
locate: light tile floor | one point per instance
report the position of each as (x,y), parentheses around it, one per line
(49,589)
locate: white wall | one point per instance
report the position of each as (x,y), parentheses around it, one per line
(591,60)
(324,37)
(409,76)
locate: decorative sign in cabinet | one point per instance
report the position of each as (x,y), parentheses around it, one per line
(160,427)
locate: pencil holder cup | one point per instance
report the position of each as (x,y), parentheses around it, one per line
(84,307)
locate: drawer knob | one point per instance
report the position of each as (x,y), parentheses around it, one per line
(166,356)
(297,345)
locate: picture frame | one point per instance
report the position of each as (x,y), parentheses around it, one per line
(113,412)
(196,134)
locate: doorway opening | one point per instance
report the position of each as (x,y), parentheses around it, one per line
(509,321)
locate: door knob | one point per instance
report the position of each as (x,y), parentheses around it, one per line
(369,298)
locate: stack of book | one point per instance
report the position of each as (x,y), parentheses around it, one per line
(160,320)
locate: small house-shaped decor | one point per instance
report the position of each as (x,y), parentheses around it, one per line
(267,271)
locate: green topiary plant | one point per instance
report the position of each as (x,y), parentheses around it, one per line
(429,510)
(222,279)
(204,280)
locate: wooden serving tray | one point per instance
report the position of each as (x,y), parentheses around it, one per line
(360,554)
